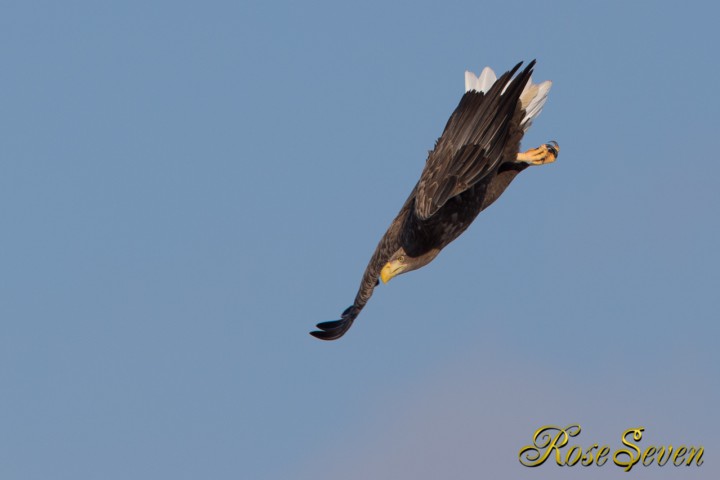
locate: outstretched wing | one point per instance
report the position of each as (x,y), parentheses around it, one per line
(472,143)
(388,244)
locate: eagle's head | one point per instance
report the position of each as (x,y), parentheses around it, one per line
(401,262)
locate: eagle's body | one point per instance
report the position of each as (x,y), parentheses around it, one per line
(471,165)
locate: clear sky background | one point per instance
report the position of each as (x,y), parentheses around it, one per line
(186,188)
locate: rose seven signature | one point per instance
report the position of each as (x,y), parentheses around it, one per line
(549,440)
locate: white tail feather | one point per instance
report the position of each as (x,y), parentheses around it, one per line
(482,83)
(532,98)
(470,81)
(486,79)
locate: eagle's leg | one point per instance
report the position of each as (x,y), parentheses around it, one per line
(541,155)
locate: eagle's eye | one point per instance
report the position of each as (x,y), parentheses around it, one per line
(401,258)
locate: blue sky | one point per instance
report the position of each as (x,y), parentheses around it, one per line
(187,188)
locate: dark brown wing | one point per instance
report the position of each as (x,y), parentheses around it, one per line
(388,245)
(472,143)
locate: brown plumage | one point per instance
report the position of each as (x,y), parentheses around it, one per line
(472,164)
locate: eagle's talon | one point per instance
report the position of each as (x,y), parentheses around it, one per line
(553,147)
(546,153)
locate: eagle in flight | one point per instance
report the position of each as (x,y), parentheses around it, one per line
(473,162)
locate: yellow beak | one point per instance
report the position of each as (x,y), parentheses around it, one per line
(389,271)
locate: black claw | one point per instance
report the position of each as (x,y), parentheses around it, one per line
(553,147)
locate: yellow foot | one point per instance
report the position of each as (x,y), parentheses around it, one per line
(540,156)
